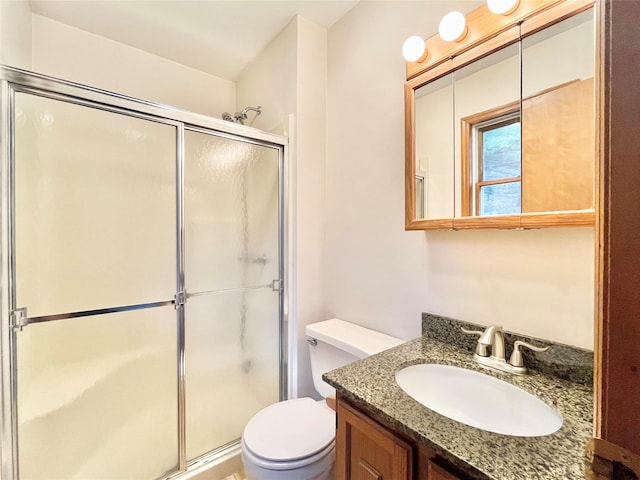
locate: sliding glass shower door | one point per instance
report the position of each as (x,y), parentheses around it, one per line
(231,262)
(94,230)
(144,288)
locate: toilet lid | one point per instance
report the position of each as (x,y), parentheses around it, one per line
(290,430)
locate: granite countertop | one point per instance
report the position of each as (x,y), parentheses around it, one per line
(370,384)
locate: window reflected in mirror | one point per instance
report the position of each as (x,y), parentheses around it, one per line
(493,162)
(497,162)
(419,196)
(487,110)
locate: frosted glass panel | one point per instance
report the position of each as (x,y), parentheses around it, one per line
(97,397)
(231,213)
(232,364)
(95,208)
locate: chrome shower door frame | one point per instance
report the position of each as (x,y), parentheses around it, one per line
(14,80)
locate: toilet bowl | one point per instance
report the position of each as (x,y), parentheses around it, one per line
(295,439)
(292,440)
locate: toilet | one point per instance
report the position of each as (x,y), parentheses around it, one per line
(295,439)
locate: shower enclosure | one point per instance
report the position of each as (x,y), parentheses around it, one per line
(142,282)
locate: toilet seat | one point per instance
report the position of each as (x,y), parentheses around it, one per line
(289,434)
(292,465)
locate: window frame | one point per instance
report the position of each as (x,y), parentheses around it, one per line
(471,159)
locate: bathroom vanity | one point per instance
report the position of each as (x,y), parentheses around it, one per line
(383,433)
(366,449)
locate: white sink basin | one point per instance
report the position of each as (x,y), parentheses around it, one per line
(478,400)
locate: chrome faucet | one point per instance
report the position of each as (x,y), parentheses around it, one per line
(493,338)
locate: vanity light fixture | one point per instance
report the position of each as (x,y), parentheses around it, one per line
(414,50)
(453,27)
(502,7)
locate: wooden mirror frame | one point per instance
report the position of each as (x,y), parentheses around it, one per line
(487,32)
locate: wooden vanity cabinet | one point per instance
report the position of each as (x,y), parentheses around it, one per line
(436,472)
(365,450)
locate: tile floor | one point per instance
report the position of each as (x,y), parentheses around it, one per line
(236,476)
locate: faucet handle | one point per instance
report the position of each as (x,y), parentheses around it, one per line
(516,355)
(481,349)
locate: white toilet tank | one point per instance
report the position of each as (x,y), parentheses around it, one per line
(338,343)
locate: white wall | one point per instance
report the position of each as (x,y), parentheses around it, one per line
(270,81)
(15,33)
(289,76)
(311,186)
(537,282)
(73,54)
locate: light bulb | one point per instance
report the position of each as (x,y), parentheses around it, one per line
(413,49)
(453,27)
(502,7)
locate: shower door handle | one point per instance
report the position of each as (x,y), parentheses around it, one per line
(276,285)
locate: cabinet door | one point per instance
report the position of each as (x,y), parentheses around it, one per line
(436,472)
(558,156)
(368,451)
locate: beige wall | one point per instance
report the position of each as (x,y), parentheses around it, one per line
(73,54)
(289,76)
(270,81)
(37,43)
(15,33)
(537,282)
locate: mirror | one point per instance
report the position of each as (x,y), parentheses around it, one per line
(434,154)
(507,139)
(487,118)
(558,117)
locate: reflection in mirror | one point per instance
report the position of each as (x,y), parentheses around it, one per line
(487,119)
(558,116)
(434,149)
(507,140)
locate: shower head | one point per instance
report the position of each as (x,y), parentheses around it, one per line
(257,109)
(240,117)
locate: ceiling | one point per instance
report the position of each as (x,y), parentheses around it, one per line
(219,37)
